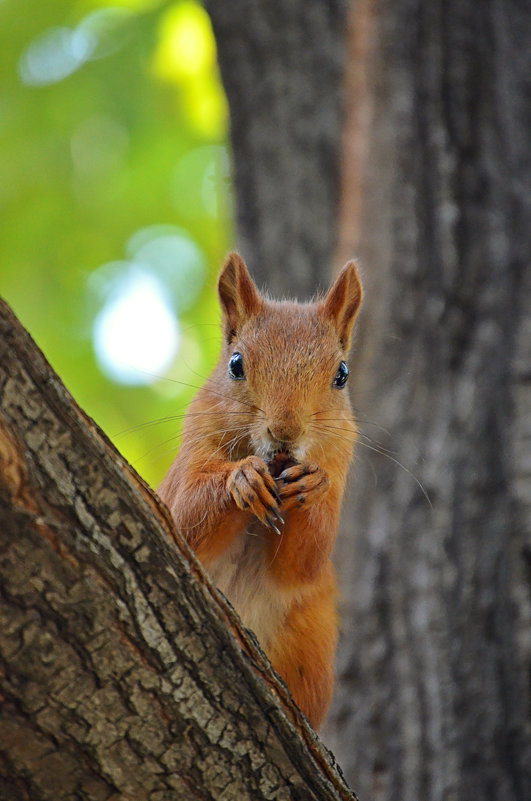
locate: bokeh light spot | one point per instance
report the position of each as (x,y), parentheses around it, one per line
(174,258)
(206,172)
(58,52)
(108,28)
(186,45)
(54,54)
(205,106)
(136,334)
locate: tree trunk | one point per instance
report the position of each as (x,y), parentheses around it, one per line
(123,673)
(433,693)
(432,696)
(281,64)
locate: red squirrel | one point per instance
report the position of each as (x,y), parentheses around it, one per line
(256,486)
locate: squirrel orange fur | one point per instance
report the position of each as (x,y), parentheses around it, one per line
(256,486)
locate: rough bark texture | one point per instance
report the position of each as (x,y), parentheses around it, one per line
(433,698)
(281,64)
(120,677)
(433,693)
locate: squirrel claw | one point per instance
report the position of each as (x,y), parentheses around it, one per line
(272,525)
(275,514)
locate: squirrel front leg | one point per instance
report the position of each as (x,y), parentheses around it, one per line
(310,502)
(212,503)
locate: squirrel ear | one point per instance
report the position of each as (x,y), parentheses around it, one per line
(342,301)
(238,296)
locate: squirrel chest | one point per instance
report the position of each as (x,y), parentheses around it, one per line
(241,573)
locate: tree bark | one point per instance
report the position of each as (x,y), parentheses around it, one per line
(123,673)
(433,691)
(281,64)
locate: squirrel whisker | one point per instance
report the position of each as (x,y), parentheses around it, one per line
(383,452)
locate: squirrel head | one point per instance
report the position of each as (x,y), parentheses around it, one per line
(283,362)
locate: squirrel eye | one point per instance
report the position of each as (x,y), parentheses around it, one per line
(236,367)
(340,378)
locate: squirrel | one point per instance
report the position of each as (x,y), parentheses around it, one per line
(257,483)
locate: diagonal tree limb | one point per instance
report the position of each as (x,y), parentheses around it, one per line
(124,674)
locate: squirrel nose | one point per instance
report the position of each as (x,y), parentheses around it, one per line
(285,433)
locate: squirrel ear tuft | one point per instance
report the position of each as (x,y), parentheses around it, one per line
(342,301)
(238,296)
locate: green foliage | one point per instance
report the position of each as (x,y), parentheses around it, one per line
(113,128)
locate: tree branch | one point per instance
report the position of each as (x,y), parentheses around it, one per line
(124,674)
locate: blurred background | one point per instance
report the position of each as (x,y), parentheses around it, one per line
(115,204)
(393,132)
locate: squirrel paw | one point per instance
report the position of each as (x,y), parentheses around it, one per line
(254,490)
(301,485)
